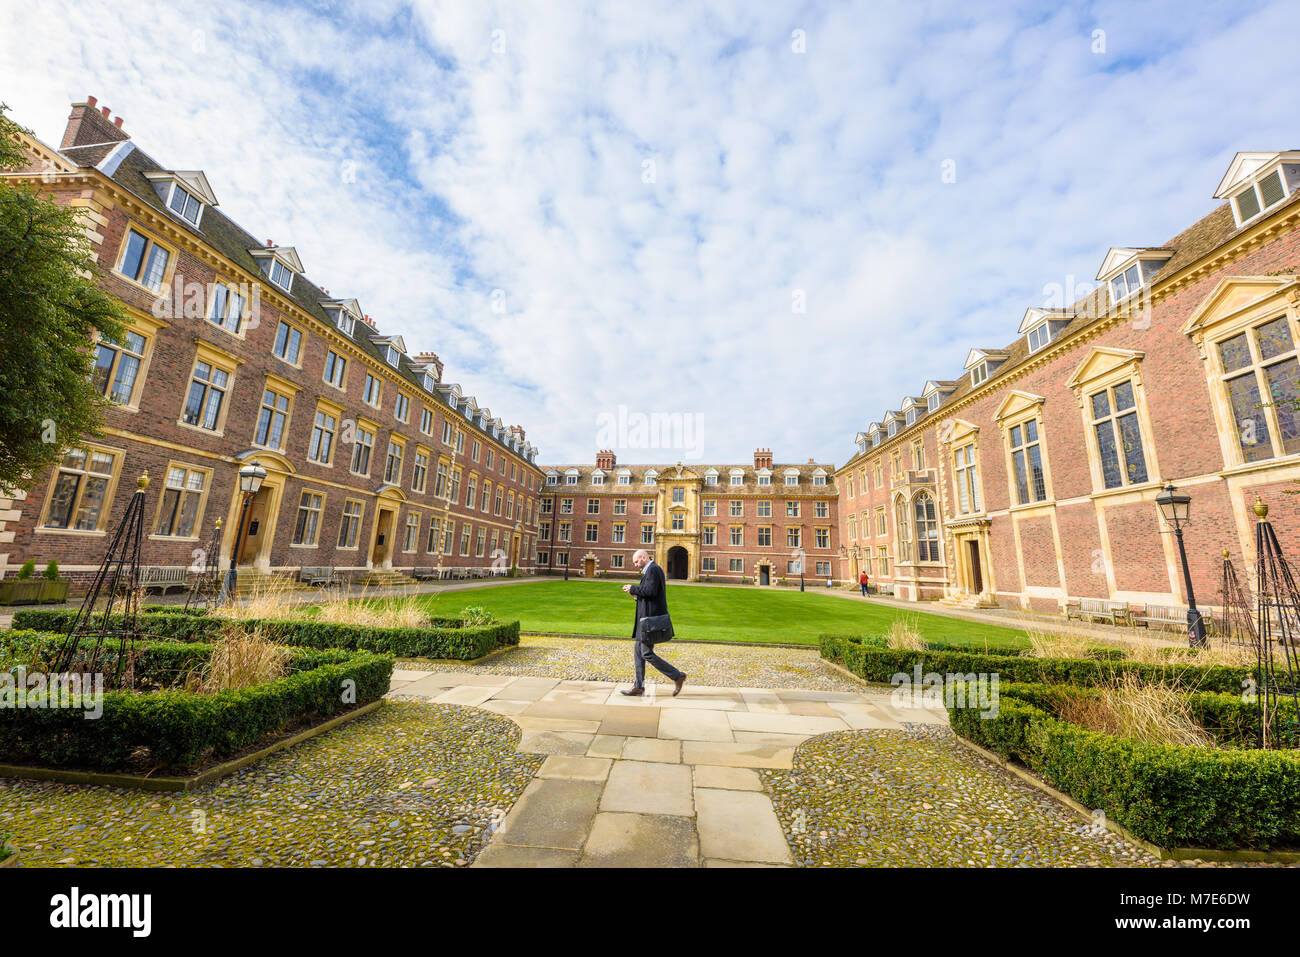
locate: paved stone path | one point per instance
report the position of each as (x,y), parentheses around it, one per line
(653,781)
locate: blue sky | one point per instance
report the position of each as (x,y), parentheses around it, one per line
(582,207)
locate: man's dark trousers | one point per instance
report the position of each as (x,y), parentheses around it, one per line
(646,652)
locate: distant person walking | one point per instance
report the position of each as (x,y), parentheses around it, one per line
(651,601)
(862,580)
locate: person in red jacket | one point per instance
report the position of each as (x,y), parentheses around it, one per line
(862,580)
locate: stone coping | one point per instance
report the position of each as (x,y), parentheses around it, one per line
(141,782)
(1242,856)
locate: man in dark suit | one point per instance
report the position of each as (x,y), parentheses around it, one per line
(651,599)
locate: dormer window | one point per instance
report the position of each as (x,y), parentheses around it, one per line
(185,204)
(737,477)
(552,480)
(893,427)
(977,375)
(1039,337)
(651,477)
(932,403)
(391,356)
(281,275)
(184,193)
(345,323)
(1259,196)
(910,418)
(1256,182)
(428,382)
(1125,284)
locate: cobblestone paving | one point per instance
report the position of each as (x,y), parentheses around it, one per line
(917,798)
(412,784)
(717,665)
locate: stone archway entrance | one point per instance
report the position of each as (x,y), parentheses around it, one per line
(677,563)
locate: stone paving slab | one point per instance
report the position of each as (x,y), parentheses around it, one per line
(734,755)
(740,826)
(574,768)
(511,855)
(660,750)
(606,746)
(555,742)
(642,722)
(731,779)
(695,725)
(552,813)
(785,723)
(641,840)
(532,723)
(644,787)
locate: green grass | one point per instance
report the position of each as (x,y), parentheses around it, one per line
(726,614)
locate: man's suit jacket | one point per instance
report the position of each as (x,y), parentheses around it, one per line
(651,595)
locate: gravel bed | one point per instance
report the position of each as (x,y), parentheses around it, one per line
(917,798)
(412,784)
(718,665)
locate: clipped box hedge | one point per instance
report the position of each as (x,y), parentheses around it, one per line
(870,658)
(179,729)
(455,641)
(1221,798)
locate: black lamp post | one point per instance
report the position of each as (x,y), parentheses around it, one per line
(1176,509)
(250,481)
(799,552)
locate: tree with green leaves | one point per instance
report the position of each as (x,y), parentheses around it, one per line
(50,313)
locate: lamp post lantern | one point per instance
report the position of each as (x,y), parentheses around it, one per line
(1176,509)
(250,482)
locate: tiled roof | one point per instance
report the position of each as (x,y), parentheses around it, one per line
(637,475)
(232,241)
(1194,242)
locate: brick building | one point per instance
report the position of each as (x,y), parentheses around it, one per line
(1030,479)
(727,523)
(233,355)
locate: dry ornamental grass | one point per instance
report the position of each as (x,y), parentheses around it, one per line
(904,635)
(1127,707)
(242,659)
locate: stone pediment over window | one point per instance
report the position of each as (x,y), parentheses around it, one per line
(1238,297)
(1103,363)
(954,431)
(1017,402)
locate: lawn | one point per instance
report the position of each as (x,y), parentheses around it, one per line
(727,614)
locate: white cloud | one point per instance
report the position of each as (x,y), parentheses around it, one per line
(505,147)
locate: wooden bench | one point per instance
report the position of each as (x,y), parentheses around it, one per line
(424,574)
(1163,616)
(319,575)
(1093,609)
(164,577)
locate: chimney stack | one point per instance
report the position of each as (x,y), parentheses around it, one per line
(605,459)
(87,125)
(431,359)
(762,458)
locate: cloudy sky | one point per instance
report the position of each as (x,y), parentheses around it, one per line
(769,221)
